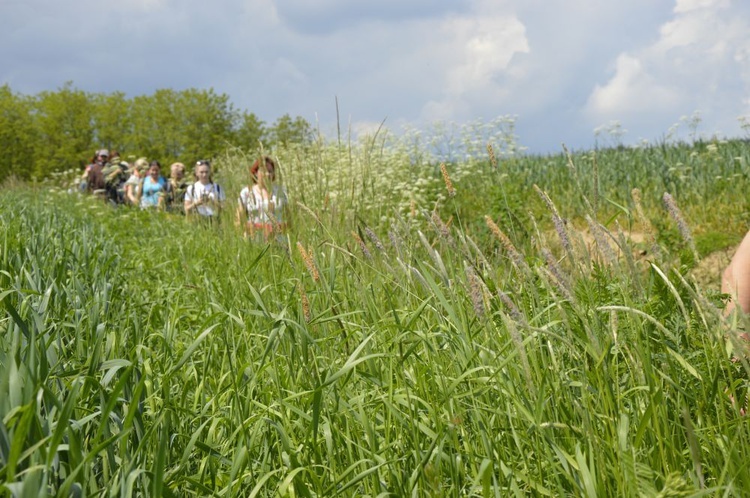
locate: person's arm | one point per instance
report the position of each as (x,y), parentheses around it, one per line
(189,202)
(217,203)
(130,194)
(735,280)
(161,202)
(240,212)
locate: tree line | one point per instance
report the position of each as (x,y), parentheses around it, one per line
(58,130)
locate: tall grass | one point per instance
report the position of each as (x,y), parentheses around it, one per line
(390,345)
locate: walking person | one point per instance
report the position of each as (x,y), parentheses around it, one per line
(262,202)
(176,189)
(93,176)
(153,188)
(133,184)
(204,198)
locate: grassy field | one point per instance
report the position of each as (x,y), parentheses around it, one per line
(502,326)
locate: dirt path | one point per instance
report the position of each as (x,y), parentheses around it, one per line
(708,271)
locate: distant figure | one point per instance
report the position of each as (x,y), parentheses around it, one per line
(115,175)
(204,197)
(93,176)
(177,188)
(262,203)
(133,184)
(153,188)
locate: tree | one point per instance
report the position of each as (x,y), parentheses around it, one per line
(156,125)
(56,130)
(286,130)
(17,135)
(65,130)
(112,121)
(249,132)
(208,123)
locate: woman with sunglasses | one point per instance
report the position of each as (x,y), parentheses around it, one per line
(204,197)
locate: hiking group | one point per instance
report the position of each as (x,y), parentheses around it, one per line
(260,206)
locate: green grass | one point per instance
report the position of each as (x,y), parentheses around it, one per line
(413,354)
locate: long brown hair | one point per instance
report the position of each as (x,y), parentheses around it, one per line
(270,168)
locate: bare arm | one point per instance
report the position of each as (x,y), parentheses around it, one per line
(735,280)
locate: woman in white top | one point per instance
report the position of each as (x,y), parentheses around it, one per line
(204,197)
(262,203)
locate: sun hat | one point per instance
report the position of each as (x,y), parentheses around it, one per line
(102,152)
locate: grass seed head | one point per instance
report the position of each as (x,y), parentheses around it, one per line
(515,313)
(442,229)
(396,241)
(305,303)
(559,278)
(447,179)
(507,244)
(309,263)
(493,159)
(557,221)
(374,239)
(476,293)
(362,245)
(682,226)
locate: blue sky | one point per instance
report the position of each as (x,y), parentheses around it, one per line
(564,68)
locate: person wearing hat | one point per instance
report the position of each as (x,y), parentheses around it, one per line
(133,184)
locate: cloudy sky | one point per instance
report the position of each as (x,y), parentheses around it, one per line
(563,67)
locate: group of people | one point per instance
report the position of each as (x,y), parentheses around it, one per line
(260,206)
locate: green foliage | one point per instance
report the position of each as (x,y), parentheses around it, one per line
(389,343)
(64,129)
(392,342)
(113,121)
(56,131)
(287,130)
(17,135)
(710,242)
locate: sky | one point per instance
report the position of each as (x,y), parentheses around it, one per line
(576,72)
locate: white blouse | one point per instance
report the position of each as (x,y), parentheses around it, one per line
(258,208)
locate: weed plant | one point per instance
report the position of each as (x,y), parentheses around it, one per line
(508,340)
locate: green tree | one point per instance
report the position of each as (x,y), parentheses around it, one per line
(112,121)
(250,130)
(56,130)
(65,130)
(156,125)
(186,125)
(208,121)
(16,135)
(286,130)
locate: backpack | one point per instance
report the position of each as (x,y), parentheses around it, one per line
(95,178)
(115,175)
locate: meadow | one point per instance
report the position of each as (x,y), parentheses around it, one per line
(499,324)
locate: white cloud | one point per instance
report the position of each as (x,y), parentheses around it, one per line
(488,45)
(683,6)
(632,90)
(475,53)
(562,67)
(700,60)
